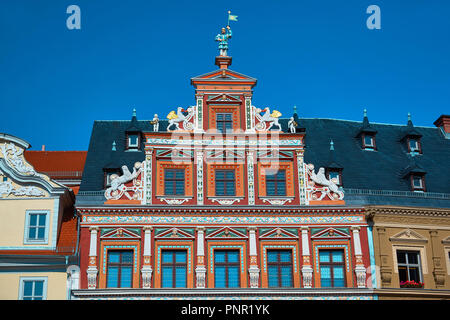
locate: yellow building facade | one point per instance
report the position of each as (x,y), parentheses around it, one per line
(38,230)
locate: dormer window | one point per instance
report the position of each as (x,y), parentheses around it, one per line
(414,145)
(368,141)
(335,176)
(133,141)
(417,182)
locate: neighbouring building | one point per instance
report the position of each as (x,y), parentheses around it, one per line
(38,230)
(65,167)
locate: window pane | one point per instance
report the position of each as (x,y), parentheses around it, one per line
(417,181)
(133,140)
(337,256)
(401,257)
(113,277)
(272,256)
(414,274)
(41,233)
(32,233)
(219,277)
(413,258)
(180,277)
(114,256)
(167,277)
(285,256)
(273,276)
(233,256)
(33,219)
(233,277)
(167,256)
(325,276)
(368,141)
(28,288)
(402,273)
(219,256)
(286,276)
(324,256)
(42,218)
(125,277)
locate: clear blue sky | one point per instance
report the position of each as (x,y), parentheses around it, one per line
(318,55)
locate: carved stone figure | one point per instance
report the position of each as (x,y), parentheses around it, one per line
(291,125)
(176,118)
(271,118)
(118,181)
(155,123)
(332,189)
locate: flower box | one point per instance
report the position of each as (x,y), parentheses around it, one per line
(411,284)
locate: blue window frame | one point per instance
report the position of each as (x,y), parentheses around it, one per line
(120,269)
(174,181)
(332,268)
(226,269)
(276,183)
(279,266)
(33,288)
(225,183)
(174,269)
(224,122)
(36,227)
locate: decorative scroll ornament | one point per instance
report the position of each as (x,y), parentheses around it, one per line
(319,186)
(14,158)
(118,188)
(176,118)
(226,202)
(6,188)
(277,202)
(267,117)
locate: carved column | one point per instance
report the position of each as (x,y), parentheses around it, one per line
(146,267)
(253,270)
(360,270)
(301,177)
(199,112)
(307,270)
(147,197)
(385,267)
(251,176)
(92,270)
(200,270)
(438,270)
(249,115)
(200,190)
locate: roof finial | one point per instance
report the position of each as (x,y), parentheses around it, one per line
(114,146)
(295,109)
(409,116)
(365,113)
(134,112)
(331,145)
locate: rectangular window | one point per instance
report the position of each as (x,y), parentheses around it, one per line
(33,289)
(332,268)
(279,265)
(224,122)
(174,182)
(417,182)
(174,269)
(409,268)
(36,227)
(413,145)
(133,141)
(276,183)
(226,269)
(120,269)
(225,183)
(335,175)
(369,142)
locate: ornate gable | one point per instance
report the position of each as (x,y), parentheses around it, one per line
(170,233)
(408,235)
(226,233)
(279,233)
(120,233)
(329,233)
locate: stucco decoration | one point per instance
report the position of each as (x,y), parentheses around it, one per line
(176,118)
(14,158)
(267,120)
(7,188)
(118,188)
(319,186)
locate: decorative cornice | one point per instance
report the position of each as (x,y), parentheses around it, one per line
(372,212)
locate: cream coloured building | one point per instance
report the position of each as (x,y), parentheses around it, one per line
(38,230)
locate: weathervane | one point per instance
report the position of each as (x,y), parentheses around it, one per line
(225,35)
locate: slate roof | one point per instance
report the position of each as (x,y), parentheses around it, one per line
(383,169)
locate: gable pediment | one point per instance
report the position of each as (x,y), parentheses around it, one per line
(408,235)
(224,98)
(278,233)
(329,233)
(120,233)
(170,233)
(226,233)
(221,75)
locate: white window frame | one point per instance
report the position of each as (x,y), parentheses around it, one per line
(338,176)
(129,141)
(416,148)
(22,286)
(28,213)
